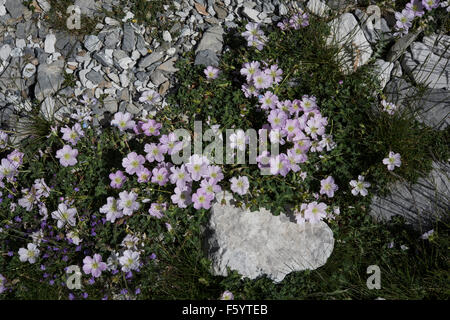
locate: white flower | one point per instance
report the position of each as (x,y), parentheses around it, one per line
(359,186)
(129,261)
(37,237)
(30,254)
(73,235)
(65,215)
(427,234)
(393,160)
(238,140)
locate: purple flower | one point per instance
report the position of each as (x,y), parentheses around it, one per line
(156,210)
(210,186)
(170,143)
(277,119)
(328,187)
(275,73)
(150,97)
(268,101)
(227,295)
(430,4)
(72,135)
(117,179)
(262,80)
(201,199)
(240,185)
(249,69)
(160,176)
(94,265)
(143,175)
(197,166)
(280,165)
(154,152)
(179,176)
(416,7)
(67,156)
(123,121)
(182,196)
(151,128)
(315,211)
(211,73)
(127,202)
(299,20)
(133,163)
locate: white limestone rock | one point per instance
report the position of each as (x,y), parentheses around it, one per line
(259,243)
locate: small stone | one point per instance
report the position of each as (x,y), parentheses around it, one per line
(92,43)
(167,36)
(5,51)
(45,6)
(95,77)
(29,70)
(157,77)
(129,40)
(164,87)
(49,43)
(15,8)
(383,70)
(168,66)
(207,58)
(150,59)
(221,11)
(49,79)
(318,8)
(252,14)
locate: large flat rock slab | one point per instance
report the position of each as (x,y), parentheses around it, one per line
(259,243)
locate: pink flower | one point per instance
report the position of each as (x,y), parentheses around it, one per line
(151,128)
(150,97)
(127,202)
(133,163)
(393,160)
(328,187)
(315,211)
(211,73)
(201,199)
(154,152)
(197,166)
(94,265)
(123,121)
(239,185)
(157,209)
(117,179)
(159,176)
(67,156)
(143,175)
(73,134)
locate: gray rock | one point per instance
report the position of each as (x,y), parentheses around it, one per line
(168,66)
(438,44)
(426,67)
(15,8)
(150,59)
(92,43)
(157,77)
(45,5)
(167,36)
(221,11)
(11,78)
(212,40)
(207,58)
(431,107)
(421,204)
(49,79)
(282,9)
(339,4)
(129,40)
(318,8)
(112,38)
(95,77)
(103,58)
(258,243)
(383,70)
(355,50)
(252,14)
(401,45)
(373,35)
(88,7)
